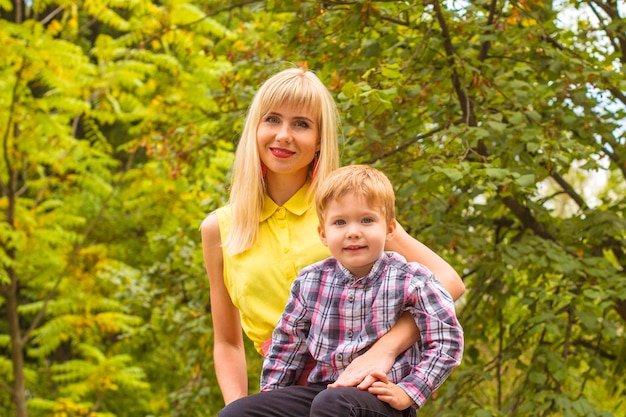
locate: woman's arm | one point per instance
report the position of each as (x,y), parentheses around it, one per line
(228,348)
(415,251)
(381,356)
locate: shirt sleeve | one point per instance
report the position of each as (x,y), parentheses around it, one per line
(288,352)
(441,342)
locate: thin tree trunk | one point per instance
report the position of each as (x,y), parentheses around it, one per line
(11,290)
(17,352)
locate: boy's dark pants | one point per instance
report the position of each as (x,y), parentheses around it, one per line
(315,401)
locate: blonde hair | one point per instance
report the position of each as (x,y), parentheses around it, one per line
(291,87)
(361,180)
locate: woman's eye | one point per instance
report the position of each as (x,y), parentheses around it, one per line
(271,119)
(302,123)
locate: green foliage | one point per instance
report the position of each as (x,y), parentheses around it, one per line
(501,123)
(493,121)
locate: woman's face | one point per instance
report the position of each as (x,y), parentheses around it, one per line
(288,139)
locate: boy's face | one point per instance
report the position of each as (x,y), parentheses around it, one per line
(355,233)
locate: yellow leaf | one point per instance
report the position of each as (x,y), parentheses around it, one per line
(529,22)
(512,20)
(54,27)
(239,45)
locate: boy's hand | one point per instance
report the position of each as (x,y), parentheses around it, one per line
(389,392)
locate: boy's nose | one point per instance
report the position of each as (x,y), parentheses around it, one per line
(353,231)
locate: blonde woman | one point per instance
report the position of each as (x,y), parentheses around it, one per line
(255,246)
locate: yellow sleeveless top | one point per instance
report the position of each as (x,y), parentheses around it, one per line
(259,279)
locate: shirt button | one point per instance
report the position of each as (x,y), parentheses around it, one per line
(285,250)
(351,297)
(280,213)
(350,333)
(339,357)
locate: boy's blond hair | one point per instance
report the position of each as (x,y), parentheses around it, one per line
(361,180)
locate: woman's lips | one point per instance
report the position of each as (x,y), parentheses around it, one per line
(281,153)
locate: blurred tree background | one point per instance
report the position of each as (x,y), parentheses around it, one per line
(501,123)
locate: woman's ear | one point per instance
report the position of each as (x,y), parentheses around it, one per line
(322,234)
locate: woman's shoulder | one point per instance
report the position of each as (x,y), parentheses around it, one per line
(214,222)
(216,217)
(210,229)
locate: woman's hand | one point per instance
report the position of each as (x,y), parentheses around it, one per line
(359,372)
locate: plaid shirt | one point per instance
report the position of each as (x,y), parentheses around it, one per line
(335,317)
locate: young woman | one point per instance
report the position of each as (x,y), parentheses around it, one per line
(255,246)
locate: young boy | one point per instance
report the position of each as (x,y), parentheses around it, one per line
(340,306)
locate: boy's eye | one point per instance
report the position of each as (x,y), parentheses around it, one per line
(367,220)
(340,222)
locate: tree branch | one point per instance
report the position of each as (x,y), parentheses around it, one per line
(525,216)
(403,146)
(484,47)
(617,92)
(620,307)
(464,100)
(6,388)
(51,15)
(618,35)
(569,190)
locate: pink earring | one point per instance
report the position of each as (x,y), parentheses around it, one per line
(263,169)
(316,162)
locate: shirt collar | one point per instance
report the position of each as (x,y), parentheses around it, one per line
(298,204)
(375,273)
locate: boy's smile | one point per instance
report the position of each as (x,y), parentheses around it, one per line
(355,233)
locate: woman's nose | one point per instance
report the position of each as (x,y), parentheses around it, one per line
(284,133)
